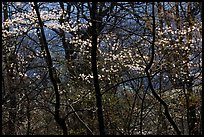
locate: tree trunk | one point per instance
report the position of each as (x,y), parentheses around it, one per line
(150,83)
(94,69)
(44,47)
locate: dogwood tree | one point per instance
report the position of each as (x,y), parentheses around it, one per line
(48,67)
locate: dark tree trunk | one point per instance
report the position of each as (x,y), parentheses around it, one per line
(94,69)
(150,83)
(67,46)
(44,45)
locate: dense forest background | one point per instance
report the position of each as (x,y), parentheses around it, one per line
(108,68)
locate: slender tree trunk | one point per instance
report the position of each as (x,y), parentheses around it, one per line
(53,79)
(94,69)
(65,44)
(150,83)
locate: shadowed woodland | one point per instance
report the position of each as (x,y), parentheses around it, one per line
(101,68)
